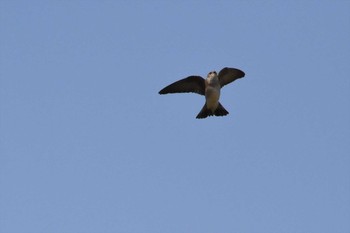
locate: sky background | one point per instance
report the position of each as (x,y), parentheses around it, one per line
(88,145)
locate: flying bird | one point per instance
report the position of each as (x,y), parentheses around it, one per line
(209,87)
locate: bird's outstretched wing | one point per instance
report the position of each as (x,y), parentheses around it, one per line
(228,75)
(194,84)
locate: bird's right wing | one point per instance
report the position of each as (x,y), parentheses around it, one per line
(228,75)
(195,84)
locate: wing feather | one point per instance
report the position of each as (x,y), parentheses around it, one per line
(195,84)
(228,75)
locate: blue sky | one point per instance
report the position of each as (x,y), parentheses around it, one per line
(88,145)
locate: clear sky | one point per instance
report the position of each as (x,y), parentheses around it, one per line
(88,145)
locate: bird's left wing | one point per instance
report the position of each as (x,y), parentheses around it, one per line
(194,84)
(228,75)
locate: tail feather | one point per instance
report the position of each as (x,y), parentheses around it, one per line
(220,111)
(205,112)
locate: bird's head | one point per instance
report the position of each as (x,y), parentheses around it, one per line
(212,74)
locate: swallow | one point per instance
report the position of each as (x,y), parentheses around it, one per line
(209,87)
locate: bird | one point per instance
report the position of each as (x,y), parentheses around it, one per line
(209,87)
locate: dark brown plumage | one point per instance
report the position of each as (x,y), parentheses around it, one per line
(209,87)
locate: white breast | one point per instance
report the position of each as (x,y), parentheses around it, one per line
(212,96)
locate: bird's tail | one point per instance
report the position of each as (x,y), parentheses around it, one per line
(205,112)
